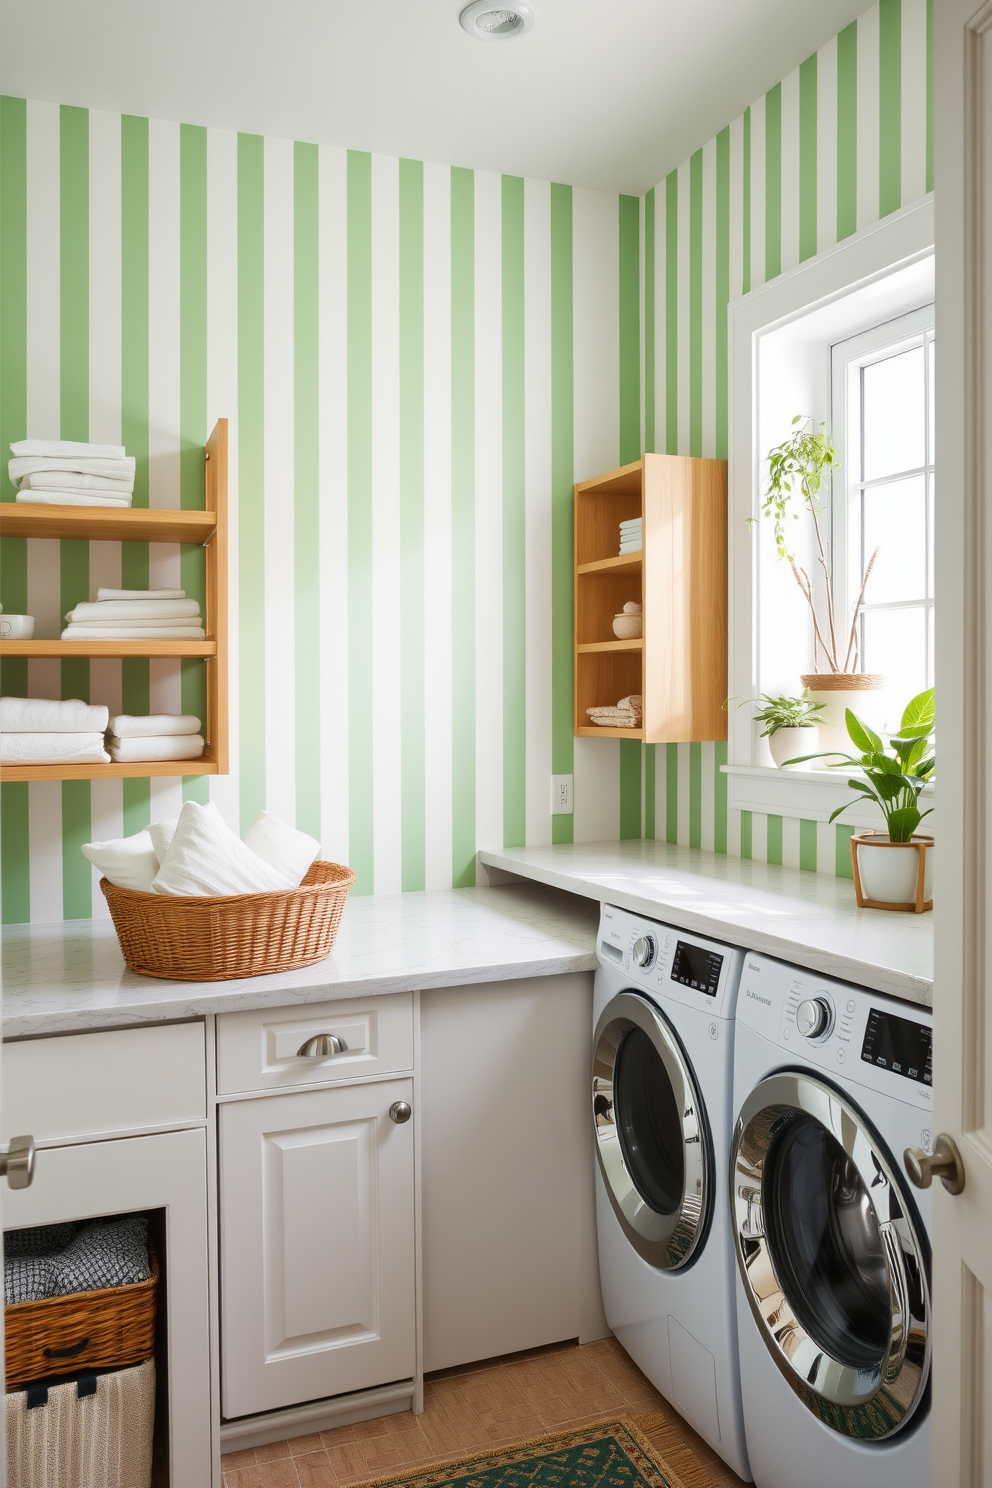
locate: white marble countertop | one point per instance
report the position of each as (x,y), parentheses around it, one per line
(806,918)
(64,977)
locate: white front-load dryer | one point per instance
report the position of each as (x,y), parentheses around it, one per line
(662,1083)
(832,1084)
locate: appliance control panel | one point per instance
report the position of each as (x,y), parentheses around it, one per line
(672,963)
(850,1032)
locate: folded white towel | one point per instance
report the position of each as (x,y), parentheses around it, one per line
(130,751)
(82,464)
(105,594)
(53,749)
(128,862)
(133,633)
(63,449)
(162,834)
(166,624)
(631,547)
(631,523)
(71,480)
(205,857)
(48,716)
(139,611)
(70,498)
(153,725)
(288,851)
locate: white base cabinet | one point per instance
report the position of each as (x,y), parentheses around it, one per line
(317,1245)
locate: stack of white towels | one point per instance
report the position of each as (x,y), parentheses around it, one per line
(62,472)
(631,536)
(34,731)
(136,615)
(155,736)
(627,713)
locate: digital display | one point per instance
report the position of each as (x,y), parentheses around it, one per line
(697,968)
(899,1045)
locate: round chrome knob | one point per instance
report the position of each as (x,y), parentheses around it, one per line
(644,951)
(400,1111)
(814,1017)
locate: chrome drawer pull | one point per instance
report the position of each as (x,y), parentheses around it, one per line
(17,1163)
(322,1046)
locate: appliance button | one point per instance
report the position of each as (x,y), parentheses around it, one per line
(841,1056)
(786,1033)
(645,948)
(851,1005)
(814,1017)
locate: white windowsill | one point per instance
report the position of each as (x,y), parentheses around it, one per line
(811,794)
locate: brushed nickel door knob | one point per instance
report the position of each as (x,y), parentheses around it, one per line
(944,1162)
(400,1111)
(322,1046)
(17,1163)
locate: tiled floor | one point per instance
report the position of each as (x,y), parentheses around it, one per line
(487,1405)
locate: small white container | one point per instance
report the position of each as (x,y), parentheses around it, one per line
(16,627)
(628,627)
(788,743)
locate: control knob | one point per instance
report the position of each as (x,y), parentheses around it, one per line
(814,1017)
(644,951)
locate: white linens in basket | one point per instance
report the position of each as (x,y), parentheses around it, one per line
(45,716)
(134,751)
(53,749)
(153,725)
(289,851)
(205,857)
(128,862)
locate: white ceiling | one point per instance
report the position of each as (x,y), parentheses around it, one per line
(610,95)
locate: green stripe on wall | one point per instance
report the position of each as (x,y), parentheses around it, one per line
(193,401)
(807,158)
(695,795)
(630,449)
(650,791)
(360,768)
(514,523)
(719,797)
(562,479)
(251,475)
(746,822)
(842,844)
(807,845)
(671,793)
(306,486)
(722,289)
(773,182)
(774,840)
(696,304)
(889,106)
(847,131)
(672,314)
(135,683)
(463,527)
(650,270)
(412,675)
(15,890)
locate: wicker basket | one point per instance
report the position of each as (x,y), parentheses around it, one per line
(206,939)
(106,1329)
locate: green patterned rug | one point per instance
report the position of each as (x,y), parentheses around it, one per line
(611,1454)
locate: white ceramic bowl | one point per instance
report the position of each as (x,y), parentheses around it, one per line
(16,627)
(628,627)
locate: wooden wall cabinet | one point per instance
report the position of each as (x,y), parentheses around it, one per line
(679,666)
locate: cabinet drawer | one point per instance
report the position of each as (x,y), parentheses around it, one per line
(84,1084)
(260,1051)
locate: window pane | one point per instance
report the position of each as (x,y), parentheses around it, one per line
(894,414)
(931,580)
(932,398)
(895,522)
(896,646)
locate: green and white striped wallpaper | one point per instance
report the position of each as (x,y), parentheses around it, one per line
(838,144)
(417,363)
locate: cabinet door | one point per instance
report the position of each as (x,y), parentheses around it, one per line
(317,1245)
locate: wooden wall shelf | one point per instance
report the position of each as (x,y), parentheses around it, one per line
(680,580)
(208,529)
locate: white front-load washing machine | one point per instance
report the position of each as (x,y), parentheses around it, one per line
(662,1082)
(832,1084)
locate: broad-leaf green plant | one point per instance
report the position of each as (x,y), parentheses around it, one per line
(893,778)
(798,466)
(787,712)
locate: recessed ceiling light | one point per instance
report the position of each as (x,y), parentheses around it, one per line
(491,22)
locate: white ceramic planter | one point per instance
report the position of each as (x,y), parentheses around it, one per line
(787,743)
(888,872)
(861,692)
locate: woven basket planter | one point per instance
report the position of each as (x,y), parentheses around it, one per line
(106,1329)
(204,939)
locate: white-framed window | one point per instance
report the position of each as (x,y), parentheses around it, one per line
(882,423)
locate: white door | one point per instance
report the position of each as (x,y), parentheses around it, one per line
(962,1293)
(317,1245)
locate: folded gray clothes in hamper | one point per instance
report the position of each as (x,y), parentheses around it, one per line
(54,1260)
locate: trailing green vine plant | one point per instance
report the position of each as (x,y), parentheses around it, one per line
(797,466)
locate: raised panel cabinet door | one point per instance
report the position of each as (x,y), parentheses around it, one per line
(317,1245)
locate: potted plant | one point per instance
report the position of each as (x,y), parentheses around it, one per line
(801,461)
(791,727)
(894,869)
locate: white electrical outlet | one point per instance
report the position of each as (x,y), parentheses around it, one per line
(561,795)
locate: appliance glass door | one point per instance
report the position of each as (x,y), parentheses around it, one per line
(651,1138)
(832,1259)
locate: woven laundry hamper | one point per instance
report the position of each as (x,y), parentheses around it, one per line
(95,1432)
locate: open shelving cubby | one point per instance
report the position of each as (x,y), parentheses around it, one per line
(207,528)
(679,667)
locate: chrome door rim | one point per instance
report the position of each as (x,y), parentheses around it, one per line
(668,1241)
(868,1404)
